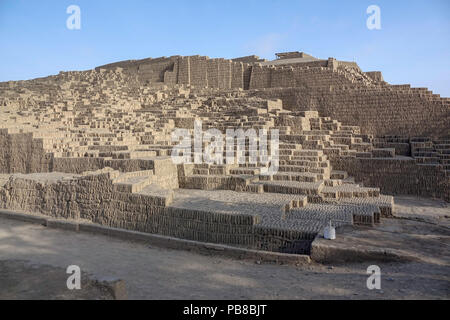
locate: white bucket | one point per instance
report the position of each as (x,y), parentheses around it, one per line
(330,232)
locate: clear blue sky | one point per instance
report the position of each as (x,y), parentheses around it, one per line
(413,45)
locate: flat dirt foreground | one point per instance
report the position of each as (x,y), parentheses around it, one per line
(33,262)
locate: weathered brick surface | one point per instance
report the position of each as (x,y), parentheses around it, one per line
(395,176)
(93,198)
(97,145)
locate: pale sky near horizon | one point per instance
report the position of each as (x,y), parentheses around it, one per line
(412,46)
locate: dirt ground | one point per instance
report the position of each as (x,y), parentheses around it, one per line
(33,261)
(28,281)
(420,231)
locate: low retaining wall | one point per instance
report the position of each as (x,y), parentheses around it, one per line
(95,198)
(160,241)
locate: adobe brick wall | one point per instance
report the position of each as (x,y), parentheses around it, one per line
(260,77)
(394,176)
(21,153)
(198,71)
(329,86)
(377,112)
(237,75)
(375,75)
(95,199)
(184,71)
(224,73)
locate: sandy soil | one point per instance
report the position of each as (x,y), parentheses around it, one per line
(25,280)
(154,273)
(420,231)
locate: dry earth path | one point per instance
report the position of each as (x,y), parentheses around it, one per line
(155,273)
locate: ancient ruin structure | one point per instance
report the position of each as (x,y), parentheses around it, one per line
(96,145)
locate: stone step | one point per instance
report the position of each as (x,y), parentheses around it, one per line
(297,176)
(442,143)
(443,150)
(136,154)
(424,149)
(349,191)
(338,214)
(420,139)
(363,154)
(362,147)
(308,153)
(306,158)
(164,196)
(219,182)
(427,160)
(245,171)
(293,204)
(313,145)
(293,187)
(332,152)
(332,182)
(254,188)
(425,154)
(383,153)
(336,174)
(291,146)
(133,184)
(134,174)
(343,147)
